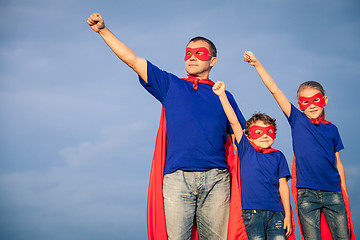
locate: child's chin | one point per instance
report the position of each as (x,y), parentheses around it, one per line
(265,146)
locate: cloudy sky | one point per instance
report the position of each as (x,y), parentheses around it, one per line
(77,130)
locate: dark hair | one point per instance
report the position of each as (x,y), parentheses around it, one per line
(256,117)
(311,84)
(213,51)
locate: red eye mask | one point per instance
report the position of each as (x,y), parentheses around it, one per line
(317,100)
(269,130)
(200,53)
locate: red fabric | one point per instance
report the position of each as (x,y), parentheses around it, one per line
(324,228)
(257,131)
(201,53)
(317,121)
(305,102)
(155,206)
(263,150)
(196,81)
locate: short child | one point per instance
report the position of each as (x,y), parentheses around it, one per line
(264,174)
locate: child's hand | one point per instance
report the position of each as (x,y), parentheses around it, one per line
(96,22)
(288,226)
(219,88)
(250,58)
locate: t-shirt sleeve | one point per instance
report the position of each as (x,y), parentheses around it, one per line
(283,167)
(294,115)
(243,146)
(158,81)
(338,145)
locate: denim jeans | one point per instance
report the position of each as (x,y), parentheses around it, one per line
(261,224)
(203,196)
(311,203)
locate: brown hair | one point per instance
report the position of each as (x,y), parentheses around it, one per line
(311,84)
(256,117)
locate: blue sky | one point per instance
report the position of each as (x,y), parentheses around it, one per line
(77,130)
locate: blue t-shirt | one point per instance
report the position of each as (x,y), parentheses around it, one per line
(314,148)
(260,174)
(196,123)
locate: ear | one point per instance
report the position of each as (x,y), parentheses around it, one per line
(298,104)
(326,100)
(213,61)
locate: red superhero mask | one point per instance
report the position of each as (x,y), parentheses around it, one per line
(317,100)
(200,53)
(257,131)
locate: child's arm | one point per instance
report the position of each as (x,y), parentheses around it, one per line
(126,54)
(269,82)
(285,198)
(341,170)
(219,89)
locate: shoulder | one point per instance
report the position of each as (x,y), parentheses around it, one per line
(231,98)
(281,156)
(295,111)
(332,127)
(229,95)
(297,115)
(277,155)
(159,72)
(244,145)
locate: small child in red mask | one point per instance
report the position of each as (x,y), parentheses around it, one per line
(264,173)
(318,176)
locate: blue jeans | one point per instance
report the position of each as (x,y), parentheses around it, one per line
(201,196)
(261,224)
(311,203)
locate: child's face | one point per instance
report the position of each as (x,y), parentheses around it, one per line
(265,141)
(312,111)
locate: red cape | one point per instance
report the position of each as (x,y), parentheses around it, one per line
(155,205)
(324,228)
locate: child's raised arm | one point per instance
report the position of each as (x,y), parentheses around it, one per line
(126,54)
(219,89)
(269,82)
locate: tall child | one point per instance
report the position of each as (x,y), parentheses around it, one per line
(264,173)
(319,171)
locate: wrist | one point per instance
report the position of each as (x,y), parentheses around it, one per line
(222,95)
(257,64)
(102,30)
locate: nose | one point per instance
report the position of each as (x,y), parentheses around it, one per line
(312,106)
(193,57)
(265,136)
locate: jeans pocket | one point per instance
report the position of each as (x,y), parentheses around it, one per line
(336,198)
(279,217)
(221,171)
(301,194)
(247,217)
